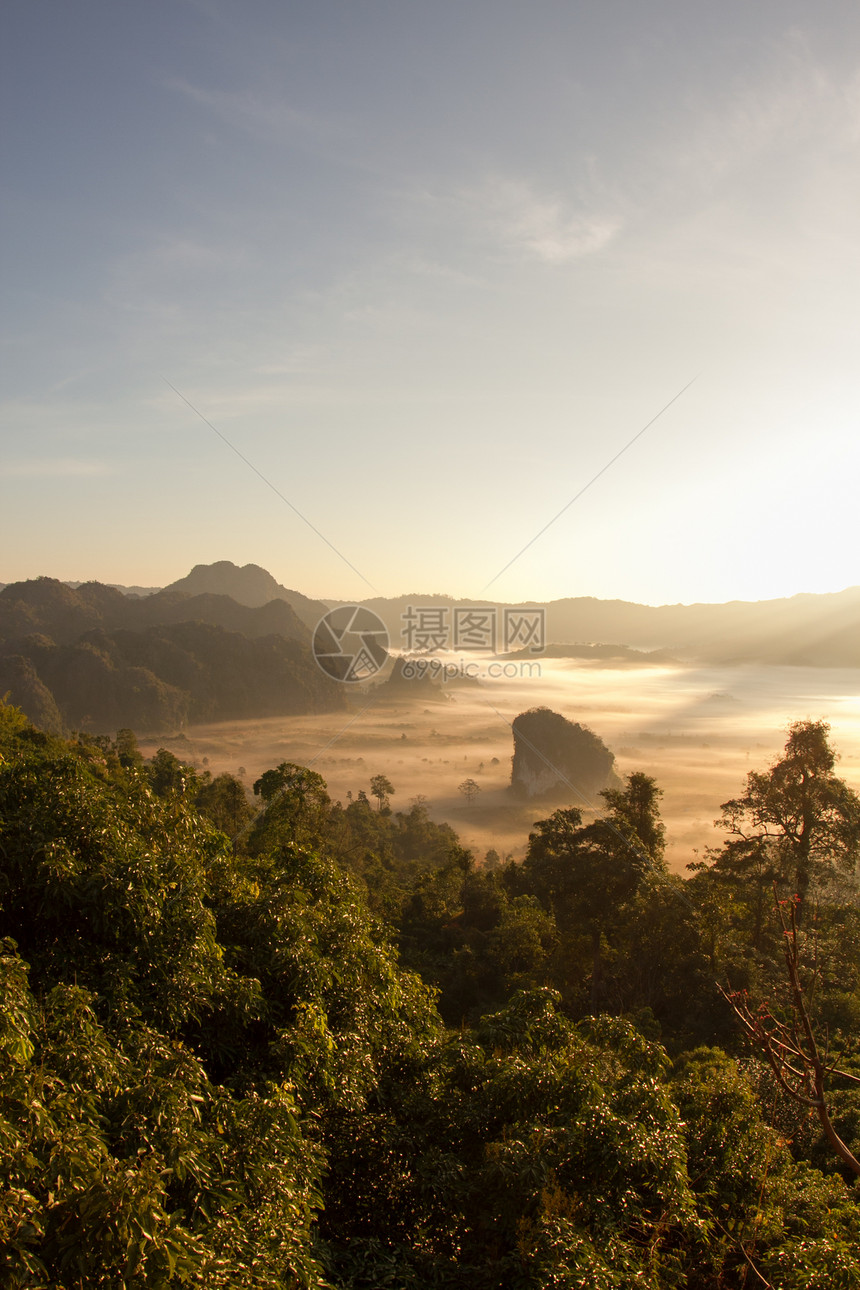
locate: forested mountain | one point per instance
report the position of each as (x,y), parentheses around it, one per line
(91,658)
(335,1053)
(51,608)
(814,630)
(134,592)
(61,613)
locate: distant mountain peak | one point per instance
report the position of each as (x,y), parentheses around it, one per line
(249,585)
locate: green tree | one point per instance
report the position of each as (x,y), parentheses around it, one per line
(470,790)
(587,873)
(224,801)
(798,821)
(635,811)
(126,1165)
(381,788)
(529,1153)
(169,776)
(296,806)
(127,750)
(763,1219)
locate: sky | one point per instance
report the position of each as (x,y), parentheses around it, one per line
(369,292)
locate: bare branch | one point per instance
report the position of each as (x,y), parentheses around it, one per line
(791,1050)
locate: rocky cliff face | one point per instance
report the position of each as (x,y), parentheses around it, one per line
(557,757)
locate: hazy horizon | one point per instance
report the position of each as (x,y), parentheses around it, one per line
(294,585)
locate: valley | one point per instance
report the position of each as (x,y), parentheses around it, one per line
(697,730)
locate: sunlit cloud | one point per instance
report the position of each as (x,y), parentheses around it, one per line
(544,229)
(538,226)
(514,217)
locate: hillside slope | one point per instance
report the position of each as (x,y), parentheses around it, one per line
(90,658)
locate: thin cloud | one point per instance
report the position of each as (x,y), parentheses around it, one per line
(271,118)
(544,230)
(519,219)
(420,266)
(796,109)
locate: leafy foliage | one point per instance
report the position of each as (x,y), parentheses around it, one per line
(222,1061)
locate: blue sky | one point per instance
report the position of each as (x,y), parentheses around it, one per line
(429,267)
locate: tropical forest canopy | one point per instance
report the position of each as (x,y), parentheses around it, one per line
(285,1041)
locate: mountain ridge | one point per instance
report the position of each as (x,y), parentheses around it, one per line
(808,629)
(91,658)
